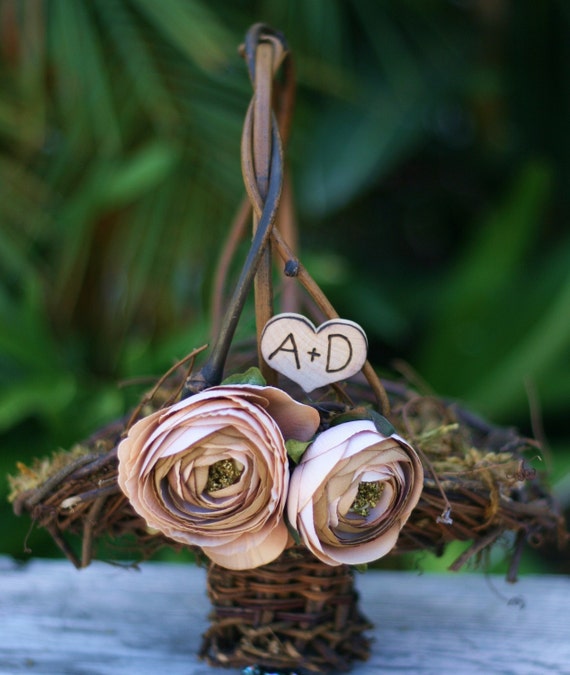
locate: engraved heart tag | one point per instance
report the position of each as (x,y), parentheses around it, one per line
(313,357)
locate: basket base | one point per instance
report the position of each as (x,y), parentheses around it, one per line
(295,614)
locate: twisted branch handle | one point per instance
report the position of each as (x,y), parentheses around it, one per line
(265,52)
(268,154)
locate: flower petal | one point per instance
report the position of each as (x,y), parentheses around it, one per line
(243,554)
(326,482)
(165,463)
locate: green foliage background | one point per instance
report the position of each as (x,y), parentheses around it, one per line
(431,162)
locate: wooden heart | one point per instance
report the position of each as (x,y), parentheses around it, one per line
(313,357)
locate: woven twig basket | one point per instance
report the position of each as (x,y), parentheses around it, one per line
(297,613)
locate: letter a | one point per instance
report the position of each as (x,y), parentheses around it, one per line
(292,350)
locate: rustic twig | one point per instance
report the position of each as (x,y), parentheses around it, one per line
(329,311)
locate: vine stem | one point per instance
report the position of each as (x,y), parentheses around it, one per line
(262,161)
(326,307)
(264,51)
(284,101)
(236,235)
(211,372)
(260,138)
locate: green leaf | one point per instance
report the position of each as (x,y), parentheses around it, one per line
(136,56)
(82,80)
(534,352)
(35,396)
(294,534)
(382,425)
(138,173)
(251,376)
(484,286)
(296,449)
(191,27)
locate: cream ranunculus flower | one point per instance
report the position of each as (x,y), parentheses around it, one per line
(212,470)
(352,492)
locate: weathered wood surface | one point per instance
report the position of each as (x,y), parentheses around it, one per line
(107,620)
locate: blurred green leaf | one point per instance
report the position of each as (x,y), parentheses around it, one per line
(139,173)
(356,144)
(82,81)
(354,147)
(136,54)
(485,285)
(191,27)
(35,396)
(545,346)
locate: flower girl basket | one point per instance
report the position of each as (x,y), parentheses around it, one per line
(281,494)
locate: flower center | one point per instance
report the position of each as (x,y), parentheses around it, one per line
(222,474)
(367,497)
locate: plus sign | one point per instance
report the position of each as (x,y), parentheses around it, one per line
(313,354)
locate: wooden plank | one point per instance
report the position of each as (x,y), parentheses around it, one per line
(106,620)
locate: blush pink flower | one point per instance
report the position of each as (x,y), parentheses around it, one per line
(212,470)
(352,492)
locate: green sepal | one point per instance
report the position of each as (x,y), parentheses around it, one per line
(362,567)
(251,376)
(293,532)
(295,449)
(382,425)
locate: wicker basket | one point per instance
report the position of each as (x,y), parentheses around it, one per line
(294,613)
(297,613)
